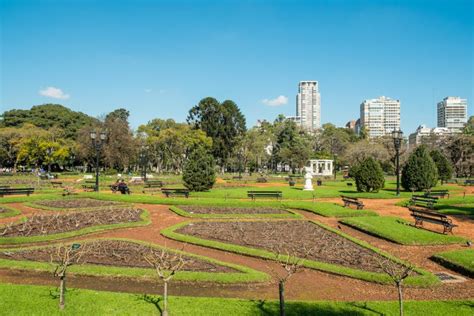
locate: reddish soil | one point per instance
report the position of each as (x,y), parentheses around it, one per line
(230,210)
(117,253)
(306,285)
(74,203)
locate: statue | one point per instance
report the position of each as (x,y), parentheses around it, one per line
(308,185)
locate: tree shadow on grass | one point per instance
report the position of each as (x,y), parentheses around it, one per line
(271,308)
(150,299)
(456,209)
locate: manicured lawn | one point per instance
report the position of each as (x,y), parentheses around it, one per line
(40,300)
(398,230)
(8,212)
(458,260)
(329,209)
(457,205)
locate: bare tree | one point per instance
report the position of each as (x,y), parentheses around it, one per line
(63,257)
(166,264)
(291,261)
(397,273)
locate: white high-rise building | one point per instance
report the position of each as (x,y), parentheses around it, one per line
(452,113)
(308,105)
(379,117)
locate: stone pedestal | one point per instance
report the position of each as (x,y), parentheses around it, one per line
(308,184)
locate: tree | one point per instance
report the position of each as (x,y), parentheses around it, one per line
(166,265)
(63,257)
(420,172)
(223,122)
(469,127)
(368,176)
(199,173)
(397,273)
(445,170)
(461,153)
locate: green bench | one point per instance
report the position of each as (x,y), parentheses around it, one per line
(255,194)
(421,216)
(424,202)
(14,191)
(152,185)
(89,185)
(170,192)
(469,182)
(437,193)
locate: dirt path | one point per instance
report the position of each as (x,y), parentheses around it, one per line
(306,285)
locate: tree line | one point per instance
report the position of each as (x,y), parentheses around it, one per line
(55,136)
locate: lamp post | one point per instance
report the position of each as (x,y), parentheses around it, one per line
(334,166)
(397,136)
(97,144)
(144,161)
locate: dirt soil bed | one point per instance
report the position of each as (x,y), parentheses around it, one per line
(230,210)
(302,238)
(74,203)
(115,253)
(3,210)
(38,225)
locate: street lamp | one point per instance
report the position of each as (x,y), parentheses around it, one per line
(397,136)
(144,161)
(97,144)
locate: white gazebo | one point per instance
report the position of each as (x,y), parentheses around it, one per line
(321,167)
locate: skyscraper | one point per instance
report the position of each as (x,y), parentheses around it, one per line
(308,105)
(380,116)
(452,113)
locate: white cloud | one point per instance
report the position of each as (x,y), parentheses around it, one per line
(55,93)
(278,101)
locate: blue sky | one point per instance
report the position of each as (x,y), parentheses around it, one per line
(159,58)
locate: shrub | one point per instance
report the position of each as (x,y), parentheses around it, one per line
(369,176)
(199,173)
(445,170)
(420,172)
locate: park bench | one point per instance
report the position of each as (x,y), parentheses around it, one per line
(237,177)
(4,186)
(437,193)
(56,184)
(12,191)
(89,185)
(6,174)
(424,202)
(349,184)
(421,216)
(452,181)
(255,194)
(352,200)
(170,192)
(262,180)
(469,182)
(152,185)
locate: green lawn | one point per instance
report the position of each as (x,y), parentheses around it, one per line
(329,209)
(458,260)
(42,300)
(9,212)
(423,279)
(398,230)
(457,205)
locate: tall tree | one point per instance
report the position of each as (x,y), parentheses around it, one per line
(445,170)
(420,172)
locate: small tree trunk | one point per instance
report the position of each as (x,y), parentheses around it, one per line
(62,289)
(400,298)
(281,290)
(165,300)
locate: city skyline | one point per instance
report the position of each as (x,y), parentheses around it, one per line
(127,56)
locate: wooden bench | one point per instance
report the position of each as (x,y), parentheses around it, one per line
(452,181)
(6,174)
(262,180)
(4,186)
(422,201)
(56,184)
(349,184)
(437,193)
(352,200)
(89,185)
(421,216)
(170,192)
(469,182)
(152,185)
(255,194)
(237,177)
(12,191)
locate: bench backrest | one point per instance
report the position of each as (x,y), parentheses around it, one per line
(428,213)
(349,198)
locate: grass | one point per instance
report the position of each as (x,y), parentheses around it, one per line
(243,274)
(144,220)
(10,211)
(399,231)
(43,300)
(453,206)
(457,260)
(423,279)
(181,212)
(329,209)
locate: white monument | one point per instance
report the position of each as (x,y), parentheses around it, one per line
(321,167)
(308,185)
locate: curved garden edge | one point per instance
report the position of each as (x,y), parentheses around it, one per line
(245,274)
(11,211)
(290,215)
(424,279)
(145,220)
